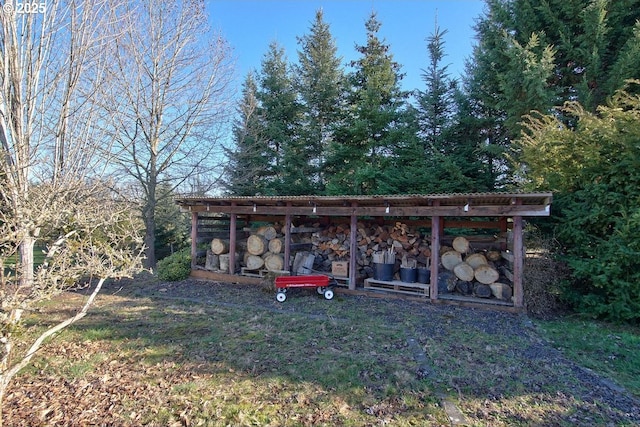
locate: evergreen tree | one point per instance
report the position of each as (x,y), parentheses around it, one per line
(172,230)
(364,143)
(435,103)
(593,167)
(319,82)
(279,114)
(534,55)
(248,171)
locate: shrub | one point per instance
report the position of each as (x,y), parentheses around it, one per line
(593,167)
(175,267)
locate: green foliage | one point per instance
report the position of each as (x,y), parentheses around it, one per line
(595,170)
(175,267)
(248,170)
(320,81)
(172,226)
(362,151)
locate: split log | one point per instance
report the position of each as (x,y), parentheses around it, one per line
(450,259)
(464,272)
(224,263)
(461,244)
(476,260)
(274,262)
(254,262)
(257,244)
(501,291)
(268,232)
(303,263)
(486,274)
(446,282)
(212,262)
(482,291)
(275,246)
(219,246)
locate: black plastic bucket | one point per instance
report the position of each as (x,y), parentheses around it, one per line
(424,275)
(383,271)
(408,275)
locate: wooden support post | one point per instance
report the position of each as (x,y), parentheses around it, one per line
(194,238)
(353,247)
(287,238)
(435,254)
(518,262)
(232,242)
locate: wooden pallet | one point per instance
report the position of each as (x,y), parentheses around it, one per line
(244,271)
(342,281)
(398,287)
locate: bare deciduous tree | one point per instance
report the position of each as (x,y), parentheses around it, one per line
(173,96)
(53,64)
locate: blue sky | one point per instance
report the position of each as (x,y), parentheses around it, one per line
(250,25)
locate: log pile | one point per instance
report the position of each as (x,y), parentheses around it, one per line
(482,274)
(261,251)
(332,244)
(264,250)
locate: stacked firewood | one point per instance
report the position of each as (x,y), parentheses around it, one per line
(261,251)
(332,244)
(482,274)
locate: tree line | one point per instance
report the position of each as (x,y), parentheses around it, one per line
(547,102)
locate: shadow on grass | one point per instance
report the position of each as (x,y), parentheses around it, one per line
(230,354)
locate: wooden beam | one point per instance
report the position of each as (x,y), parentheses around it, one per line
(232,243)
(518,262)
(194,237)
(435,256)
(287,239)
(224,277)
(380,211)
(353,247)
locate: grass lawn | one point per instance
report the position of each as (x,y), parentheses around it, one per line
(611,350)
(203,354)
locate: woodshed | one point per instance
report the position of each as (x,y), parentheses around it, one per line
(466,247)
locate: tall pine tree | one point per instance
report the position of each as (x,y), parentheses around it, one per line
(364,144)
(249,170)
(279,114)
(319,82)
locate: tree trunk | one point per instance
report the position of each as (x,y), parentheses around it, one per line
(25,267)
(150,236)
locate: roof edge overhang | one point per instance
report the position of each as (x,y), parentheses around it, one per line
(411,205)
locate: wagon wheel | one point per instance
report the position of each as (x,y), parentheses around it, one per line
(320,290)
(328,294)
(281,296)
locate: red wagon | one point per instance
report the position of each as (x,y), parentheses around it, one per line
(320,282)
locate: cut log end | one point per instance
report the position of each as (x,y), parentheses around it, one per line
(450,259)
(486,274)
(461,244)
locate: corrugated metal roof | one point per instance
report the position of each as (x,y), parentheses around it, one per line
(451,199)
